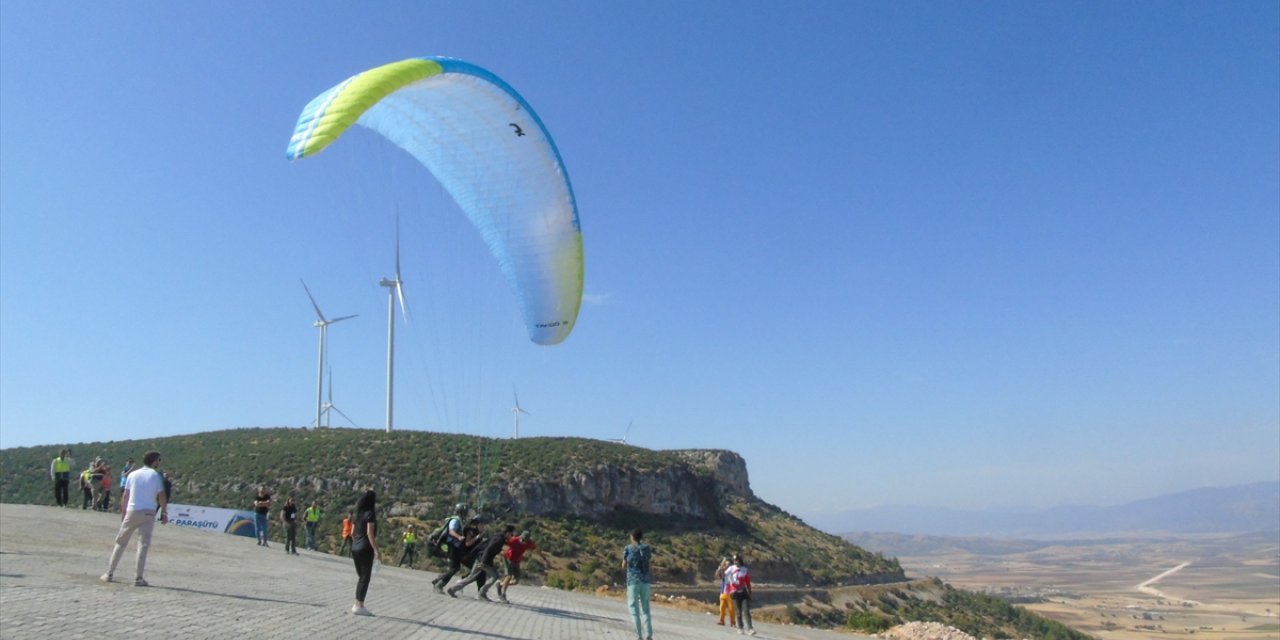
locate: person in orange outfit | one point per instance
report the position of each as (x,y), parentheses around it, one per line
(726,602)
(348,526)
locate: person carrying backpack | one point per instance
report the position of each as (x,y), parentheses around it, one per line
(457,547)
(635,561)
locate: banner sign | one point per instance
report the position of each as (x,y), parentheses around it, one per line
(235,522)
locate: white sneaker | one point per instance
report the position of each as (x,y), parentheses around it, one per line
(360,611)
(106,577)
(751,632)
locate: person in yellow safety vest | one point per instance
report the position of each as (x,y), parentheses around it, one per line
(410,545)
(311,517)
(86,486)
(60,473)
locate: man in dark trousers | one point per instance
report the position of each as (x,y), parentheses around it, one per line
(457,542)
(484,563)
(289,516)
(60,472)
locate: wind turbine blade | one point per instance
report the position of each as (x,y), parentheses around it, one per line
(523,411)
(516,396)
(353,422)
(331,386)
(343,318)
(404,311)
(313,301)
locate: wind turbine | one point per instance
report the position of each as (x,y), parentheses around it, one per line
(623,439)
(323,324)
(516,411)
(395,289)
(330,406)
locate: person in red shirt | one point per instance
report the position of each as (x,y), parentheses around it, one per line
(104,503)
(512,556)
(739,579)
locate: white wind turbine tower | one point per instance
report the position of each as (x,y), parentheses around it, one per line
(330,406)
(323,324)
(516,411)
(395,289)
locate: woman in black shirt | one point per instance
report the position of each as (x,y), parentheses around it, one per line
(363,548)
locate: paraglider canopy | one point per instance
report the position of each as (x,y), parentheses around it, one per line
(487,148)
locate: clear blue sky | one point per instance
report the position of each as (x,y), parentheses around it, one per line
(967,254)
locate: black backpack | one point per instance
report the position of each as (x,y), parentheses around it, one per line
(438,541)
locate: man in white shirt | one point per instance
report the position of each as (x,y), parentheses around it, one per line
(143,495)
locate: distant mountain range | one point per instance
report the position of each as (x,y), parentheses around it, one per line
(1236,509)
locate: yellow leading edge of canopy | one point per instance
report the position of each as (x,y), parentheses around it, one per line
(362,92)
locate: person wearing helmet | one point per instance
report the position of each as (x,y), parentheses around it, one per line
(457,547)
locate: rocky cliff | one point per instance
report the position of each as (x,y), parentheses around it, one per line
(696,488)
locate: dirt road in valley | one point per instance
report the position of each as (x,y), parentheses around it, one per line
(1146,587)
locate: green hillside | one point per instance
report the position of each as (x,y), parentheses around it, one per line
(419,476)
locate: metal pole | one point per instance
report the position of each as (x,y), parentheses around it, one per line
(320,375)
(391,349)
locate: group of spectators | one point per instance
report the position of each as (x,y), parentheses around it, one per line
(95,481)
(288,518)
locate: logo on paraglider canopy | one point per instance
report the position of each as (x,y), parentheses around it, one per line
(519,131)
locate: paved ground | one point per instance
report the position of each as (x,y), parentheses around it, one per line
(213,585)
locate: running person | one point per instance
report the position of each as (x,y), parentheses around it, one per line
(484,566)
(457,547)
(512,556)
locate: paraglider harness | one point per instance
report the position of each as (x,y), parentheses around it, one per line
(438,541)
